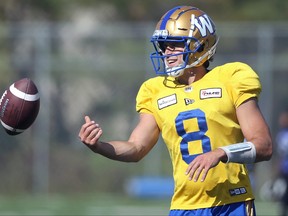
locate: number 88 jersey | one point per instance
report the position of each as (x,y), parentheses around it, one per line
(199,118)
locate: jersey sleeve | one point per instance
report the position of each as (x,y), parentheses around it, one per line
(243,83)
(144,99)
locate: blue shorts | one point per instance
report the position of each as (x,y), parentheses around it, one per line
(235,209)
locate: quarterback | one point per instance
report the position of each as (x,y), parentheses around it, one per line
(209,119)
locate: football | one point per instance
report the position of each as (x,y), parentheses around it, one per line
(19,106)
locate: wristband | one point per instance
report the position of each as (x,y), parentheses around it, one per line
(244,153)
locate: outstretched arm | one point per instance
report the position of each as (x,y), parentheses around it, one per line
(141,141)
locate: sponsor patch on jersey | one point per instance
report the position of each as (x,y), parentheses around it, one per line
(237,191)
(210,93)
(167,101)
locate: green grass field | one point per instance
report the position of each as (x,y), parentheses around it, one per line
(104,205)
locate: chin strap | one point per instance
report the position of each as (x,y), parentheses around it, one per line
(244,153)
(175,71)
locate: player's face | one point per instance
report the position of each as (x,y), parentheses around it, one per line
(171,50)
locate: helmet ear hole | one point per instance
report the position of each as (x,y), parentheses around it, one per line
(201,48)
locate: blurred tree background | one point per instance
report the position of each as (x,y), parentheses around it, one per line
(90,57)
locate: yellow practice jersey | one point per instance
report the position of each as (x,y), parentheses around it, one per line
(196,119)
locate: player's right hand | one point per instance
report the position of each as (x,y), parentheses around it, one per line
(90,132)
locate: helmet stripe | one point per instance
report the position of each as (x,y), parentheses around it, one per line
(167,17)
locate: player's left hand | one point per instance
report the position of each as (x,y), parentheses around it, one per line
(203,163)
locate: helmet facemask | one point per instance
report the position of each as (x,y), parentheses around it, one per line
(159,58)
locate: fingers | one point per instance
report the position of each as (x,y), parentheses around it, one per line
(87,119)
(200,166)
(90,132)
(84,127)
(195,170)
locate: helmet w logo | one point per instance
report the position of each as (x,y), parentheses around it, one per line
(203,23)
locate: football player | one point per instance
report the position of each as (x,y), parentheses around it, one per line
(282,150)
(209,119)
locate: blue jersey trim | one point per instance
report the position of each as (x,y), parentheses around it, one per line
(167,17)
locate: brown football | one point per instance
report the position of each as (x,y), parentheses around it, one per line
(19,106)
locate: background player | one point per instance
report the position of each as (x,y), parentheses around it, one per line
(282,150)
(203,116)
